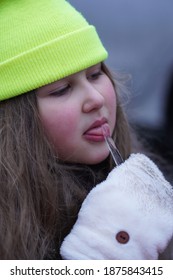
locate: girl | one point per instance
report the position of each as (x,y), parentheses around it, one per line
(55,94)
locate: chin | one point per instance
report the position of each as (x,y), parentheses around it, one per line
(95,159)
(89,157)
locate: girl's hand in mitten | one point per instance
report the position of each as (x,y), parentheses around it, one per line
(128,216)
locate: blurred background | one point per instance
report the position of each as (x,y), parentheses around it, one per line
(138,35)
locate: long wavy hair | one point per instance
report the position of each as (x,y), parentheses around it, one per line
(40,196)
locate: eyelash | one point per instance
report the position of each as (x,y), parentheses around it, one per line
(61,91)
(95,75)
(65,89)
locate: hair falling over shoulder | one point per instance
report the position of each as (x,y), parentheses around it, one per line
(39,195)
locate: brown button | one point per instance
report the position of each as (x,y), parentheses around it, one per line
(122,237)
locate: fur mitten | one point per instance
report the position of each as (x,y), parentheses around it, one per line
(128,216)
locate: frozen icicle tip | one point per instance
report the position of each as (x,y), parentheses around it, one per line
(106,130)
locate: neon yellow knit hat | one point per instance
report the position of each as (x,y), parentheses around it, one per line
(42,41)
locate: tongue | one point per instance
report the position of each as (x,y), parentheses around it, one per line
(100,130)
(95,131)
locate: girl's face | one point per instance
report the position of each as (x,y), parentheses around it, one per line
(72,111)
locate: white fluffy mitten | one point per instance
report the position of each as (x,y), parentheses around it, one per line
(128,216)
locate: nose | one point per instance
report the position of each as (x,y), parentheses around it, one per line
(94,99)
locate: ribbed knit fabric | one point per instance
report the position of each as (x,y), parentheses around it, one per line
(42,41)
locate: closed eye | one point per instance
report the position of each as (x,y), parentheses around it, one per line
(95,75)
(61,91)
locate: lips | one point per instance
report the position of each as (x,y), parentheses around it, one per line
(95,132)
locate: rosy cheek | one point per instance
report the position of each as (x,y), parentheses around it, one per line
(111,105)
(68,121)
(60,127)
(111,98)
